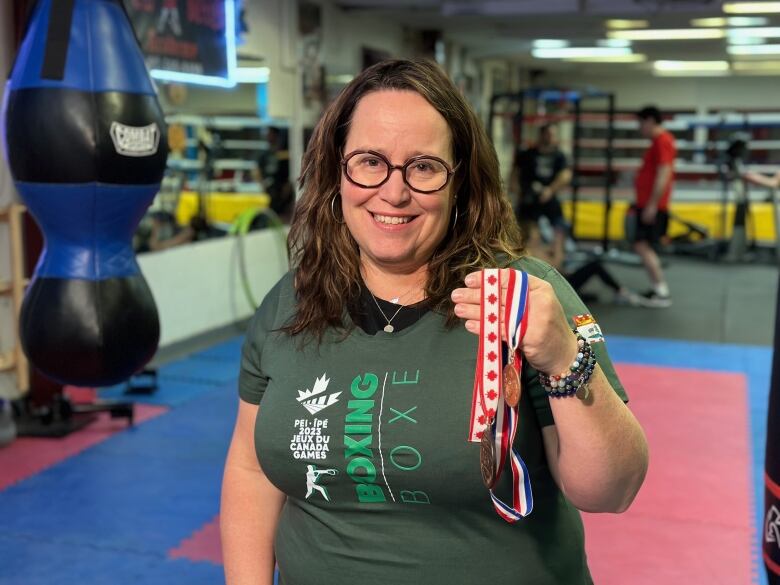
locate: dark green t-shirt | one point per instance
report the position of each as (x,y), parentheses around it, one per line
(367,436)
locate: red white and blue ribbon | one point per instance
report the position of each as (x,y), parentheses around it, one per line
(489,380)
(522,496)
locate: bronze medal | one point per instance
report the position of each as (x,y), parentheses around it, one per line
(487,457)
(511,386)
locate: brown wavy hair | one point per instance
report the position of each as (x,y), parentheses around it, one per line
(322,251)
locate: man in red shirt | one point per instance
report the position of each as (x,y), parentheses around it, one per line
(653,185)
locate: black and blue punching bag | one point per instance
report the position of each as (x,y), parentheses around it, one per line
(85,141)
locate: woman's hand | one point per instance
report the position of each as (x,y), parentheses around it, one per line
(549,345)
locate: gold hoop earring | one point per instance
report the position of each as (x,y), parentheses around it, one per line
(333,211)
(455,219)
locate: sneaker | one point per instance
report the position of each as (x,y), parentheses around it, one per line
(653,300)
(627,297)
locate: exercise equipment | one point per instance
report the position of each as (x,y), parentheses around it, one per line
(86,144)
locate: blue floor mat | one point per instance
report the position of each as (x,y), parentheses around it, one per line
(197,371)
(229,351)
(170,392)
(39,562)
(142,491)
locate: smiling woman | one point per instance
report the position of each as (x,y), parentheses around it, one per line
(395,114)
(386,265)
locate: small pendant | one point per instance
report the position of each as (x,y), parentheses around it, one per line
(583,392)
(389,328)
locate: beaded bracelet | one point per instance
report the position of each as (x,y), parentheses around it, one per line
(570,382)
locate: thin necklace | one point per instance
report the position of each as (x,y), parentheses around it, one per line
(388,328)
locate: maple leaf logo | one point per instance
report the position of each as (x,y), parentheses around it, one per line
(315,400)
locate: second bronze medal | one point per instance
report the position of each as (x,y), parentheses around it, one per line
(487,457)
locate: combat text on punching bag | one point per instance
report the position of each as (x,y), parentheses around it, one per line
(85,141)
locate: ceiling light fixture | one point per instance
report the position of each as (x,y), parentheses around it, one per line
(631,58)
(550,44)
(574,52)
(668,66)
(751,7)
(766,32)
(744,50)
(756,66)
(720,22)
(746,41)
(617,23)
(681,34)
(613,43)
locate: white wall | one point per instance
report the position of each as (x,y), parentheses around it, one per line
(197,287)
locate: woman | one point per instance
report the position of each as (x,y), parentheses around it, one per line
(365,377)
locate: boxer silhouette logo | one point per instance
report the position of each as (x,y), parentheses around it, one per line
(135,140)
(772,526)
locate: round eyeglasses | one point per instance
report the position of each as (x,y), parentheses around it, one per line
(422,174)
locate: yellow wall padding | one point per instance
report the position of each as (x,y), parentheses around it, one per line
(590,219)
(220,207)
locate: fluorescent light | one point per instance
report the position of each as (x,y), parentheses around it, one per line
(613,43)
(252,74)
(617,23)
(691,65)
(720,22)
(709,22)
(690,68)
(631,58)
(753,49)
(756,66)
(746,41)
(746,21)
(751,7)
(550,44)
(573,52)
(682,34)
(691,73)
(766,32)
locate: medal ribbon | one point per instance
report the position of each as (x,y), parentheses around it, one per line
(506,423)
(487,378)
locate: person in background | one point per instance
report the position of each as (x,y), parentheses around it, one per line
(538,174)
(273,172)
(653,185)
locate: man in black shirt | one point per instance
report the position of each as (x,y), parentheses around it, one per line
(540,172)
